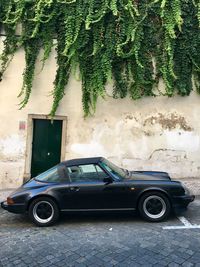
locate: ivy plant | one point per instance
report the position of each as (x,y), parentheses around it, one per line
(134,43)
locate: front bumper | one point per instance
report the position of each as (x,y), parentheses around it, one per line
(14,208)
(180,203)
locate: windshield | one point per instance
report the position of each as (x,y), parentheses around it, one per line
(50,175)
(117,172)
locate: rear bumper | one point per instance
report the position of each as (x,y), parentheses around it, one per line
(14,208)
(180,203)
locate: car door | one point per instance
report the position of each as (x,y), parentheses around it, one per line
(119,194)
(85,187)
(88,191)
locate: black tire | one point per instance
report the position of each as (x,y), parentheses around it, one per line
(43,211)
(154,206)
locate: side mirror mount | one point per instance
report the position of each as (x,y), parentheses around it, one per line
(107,180)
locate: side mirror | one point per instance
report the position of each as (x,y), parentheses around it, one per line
(107,180)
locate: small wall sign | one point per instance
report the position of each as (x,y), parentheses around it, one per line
(22,125)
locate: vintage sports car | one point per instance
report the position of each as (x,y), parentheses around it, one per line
(96,184)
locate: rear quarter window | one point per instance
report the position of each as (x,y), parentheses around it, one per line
(50,175)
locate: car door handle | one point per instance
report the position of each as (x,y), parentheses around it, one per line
(74,188)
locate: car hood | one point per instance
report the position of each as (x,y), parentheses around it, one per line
(148,175)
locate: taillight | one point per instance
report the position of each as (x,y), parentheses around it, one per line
(10,201)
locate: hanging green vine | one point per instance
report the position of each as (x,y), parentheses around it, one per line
(134,43)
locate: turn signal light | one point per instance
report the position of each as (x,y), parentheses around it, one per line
(10,201)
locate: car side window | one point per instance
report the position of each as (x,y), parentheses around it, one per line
(85,173)
(114,173)
(50,175)
(101,173)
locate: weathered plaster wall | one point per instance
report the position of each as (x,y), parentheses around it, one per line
(153,133)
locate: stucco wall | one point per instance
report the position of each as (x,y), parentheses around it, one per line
(153,133)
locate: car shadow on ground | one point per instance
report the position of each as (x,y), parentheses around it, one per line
(81,218)
(75,218)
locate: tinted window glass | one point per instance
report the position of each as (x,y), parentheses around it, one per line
(101,173)
(50,175)
(84,173)
(56,174)
(117,172)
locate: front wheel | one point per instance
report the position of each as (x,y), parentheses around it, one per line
(154,207)
(43,211)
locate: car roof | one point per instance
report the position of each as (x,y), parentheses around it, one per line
(82,161)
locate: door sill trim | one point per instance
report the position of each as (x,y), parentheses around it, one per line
(117,209)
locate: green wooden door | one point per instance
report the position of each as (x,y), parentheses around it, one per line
(46,146)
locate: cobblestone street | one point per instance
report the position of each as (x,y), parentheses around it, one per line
(99,240)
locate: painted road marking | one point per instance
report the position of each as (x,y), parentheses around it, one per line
(184,221)
(181,227)
(187,225)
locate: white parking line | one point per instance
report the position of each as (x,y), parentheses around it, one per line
(187,225)
(184,221)
(181,227)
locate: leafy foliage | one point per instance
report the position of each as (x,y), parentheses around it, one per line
(133,42)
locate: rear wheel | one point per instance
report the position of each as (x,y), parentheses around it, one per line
(43,211)
(154,206)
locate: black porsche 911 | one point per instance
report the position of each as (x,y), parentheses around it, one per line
(96,184)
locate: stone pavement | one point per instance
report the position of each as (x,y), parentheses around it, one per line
(120,239)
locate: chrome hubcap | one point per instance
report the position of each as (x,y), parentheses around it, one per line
(154,207)
(43,211)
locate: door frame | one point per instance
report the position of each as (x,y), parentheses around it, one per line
(29,140)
